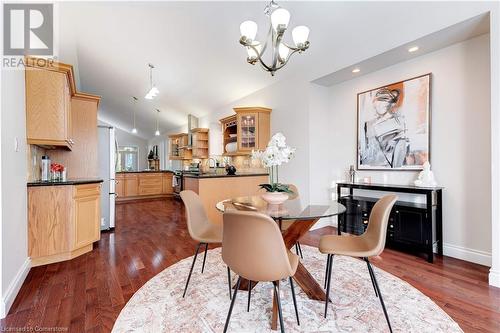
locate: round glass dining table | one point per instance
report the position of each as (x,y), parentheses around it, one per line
(292,209)
(300,218)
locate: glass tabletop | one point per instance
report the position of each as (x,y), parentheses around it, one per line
(292,209)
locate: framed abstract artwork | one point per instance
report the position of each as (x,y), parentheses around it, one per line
(394,125)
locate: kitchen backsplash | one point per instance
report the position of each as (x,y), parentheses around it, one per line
(34,156)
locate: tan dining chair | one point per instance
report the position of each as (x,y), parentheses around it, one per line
(202,230)
(369,244)
(253,248)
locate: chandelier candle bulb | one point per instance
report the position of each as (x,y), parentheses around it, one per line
(283,51)
(248,30)
(280,18)
(252,55)
(300,35)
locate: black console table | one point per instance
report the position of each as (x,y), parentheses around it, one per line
(412,227)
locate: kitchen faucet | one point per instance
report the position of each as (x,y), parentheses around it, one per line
(208,162)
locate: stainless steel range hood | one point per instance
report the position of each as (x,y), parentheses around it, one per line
(192,123)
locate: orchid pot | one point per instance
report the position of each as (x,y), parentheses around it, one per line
(276,154)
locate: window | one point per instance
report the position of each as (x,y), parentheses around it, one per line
(127,158)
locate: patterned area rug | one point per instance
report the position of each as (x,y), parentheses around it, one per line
(159,307)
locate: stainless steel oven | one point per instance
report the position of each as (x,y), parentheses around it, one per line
(177,182)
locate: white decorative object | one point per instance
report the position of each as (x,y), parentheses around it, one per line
(275,198)
(232,147)
(426,177)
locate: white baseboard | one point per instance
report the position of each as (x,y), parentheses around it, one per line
(471,255)
(494,279)
(13,289)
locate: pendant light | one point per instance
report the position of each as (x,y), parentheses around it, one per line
(134,130)
(153,91)
(157,133)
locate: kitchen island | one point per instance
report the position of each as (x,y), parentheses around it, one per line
(215,187)
(134,185)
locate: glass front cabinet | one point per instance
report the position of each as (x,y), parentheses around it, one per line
(248,130)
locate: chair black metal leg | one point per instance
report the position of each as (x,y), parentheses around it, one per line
(374,280)
(232,304)
(204,258)
(280,313)
(294,301)
(330,259)
(249,295)
(300,250)
(191,270)
(371,278)
(296,249)
(229,280)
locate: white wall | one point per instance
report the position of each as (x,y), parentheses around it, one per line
(494,277)
(15,262)
(289,103)
(460,140)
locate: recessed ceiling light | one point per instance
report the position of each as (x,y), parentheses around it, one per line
(413,49)
(356,70)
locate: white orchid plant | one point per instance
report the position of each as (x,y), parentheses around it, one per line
(277,153)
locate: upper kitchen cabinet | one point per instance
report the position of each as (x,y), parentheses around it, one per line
(249,129)
(49,88)
(200,142)
(179,149)
(85,138)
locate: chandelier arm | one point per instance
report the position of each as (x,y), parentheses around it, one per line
(286,60)
(305,47)
(267,39)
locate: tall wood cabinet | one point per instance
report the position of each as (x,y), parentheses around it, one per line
(84,126)
(250,128)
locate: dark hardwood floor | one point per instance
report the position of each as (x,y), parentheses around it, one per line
(86,294)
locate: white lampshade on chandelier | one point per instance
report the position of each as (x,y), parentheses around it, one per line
(153,91)
(134,129)
(281,52)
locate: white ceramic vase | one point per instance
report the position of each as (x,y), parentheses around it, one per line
(274,198)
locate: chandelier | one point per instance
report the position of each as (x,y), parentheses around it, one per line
(281,52)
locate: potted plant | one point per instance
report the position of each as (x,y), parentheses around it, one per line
(277,153)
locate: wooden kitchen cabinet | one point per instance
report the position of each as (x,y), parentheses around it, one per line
(131,185)
(200,142)
(143,185)
(85,139)
(48,104)
(63,221)
(250,128)
(179,149)
(150,184)
(167,183)
(120,185)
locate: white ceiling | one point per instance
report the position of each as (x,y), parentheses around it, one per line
(200,66)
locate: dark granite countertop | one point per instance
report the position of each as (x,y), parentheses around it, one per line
(216,175)
(145,171)
(78,181)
